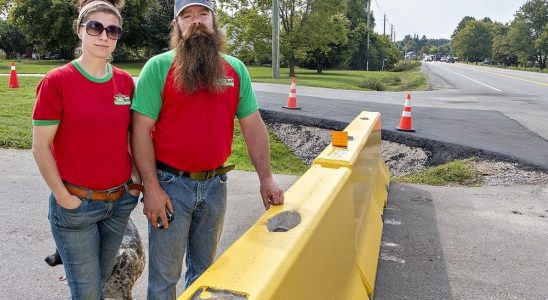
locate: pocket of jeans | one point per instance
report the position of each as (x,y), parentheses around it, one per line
(164,177)
(72,209)
(73,218)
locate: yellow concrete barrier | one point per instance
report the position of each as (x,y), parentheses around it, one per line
(324,242)
(301,250)
(369,180)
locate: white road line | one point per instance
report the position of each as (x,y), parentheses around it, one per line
(392,222)
(392,245)
(387,257)
(472,79)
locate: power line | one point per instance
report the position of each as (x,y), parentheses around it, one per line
(380,10)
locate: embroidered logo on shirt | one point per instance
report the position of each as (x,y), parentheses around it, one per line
(121,100)
(226,82)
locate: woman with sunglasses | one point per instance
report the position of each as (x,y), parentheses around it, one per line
(80,143)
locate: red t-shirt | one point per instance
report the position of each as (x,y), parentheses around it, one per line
(193,132)
(91,143)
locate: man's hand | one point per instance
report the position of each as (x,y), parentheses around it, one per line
(271,193)
(155,201)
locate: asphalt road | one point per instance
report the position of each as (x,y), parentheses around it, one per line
(510,124)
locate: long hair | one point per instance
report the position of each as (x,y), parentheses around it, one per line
(198,64)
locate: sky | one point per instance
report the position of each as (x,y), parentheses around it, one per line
(438,19)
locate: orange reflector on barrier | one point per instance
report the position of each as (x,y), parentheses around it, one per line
(339,138)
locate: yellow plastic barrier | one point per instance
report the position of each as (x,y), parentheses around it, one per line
(369,181)
(324,242)
(312,257)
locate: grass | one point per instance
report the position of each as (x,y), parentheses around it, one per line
(16,130)
(43,66)
(15,112)
(346,79)
(283,161)
(457,172)
(335,79)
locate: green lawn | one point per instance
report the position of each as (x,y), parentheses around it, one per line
(16,129)
(336,79)
(15,112)
(345,79)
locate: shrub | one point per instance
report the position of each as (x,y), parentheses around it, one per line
(373,84)
(405,65)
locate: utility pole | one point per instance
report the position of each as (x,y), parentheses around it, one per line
(391,31)
(368,29)
(384,27)
(275,40)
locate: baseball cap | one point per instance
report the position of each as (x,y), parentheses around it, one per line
(180,5)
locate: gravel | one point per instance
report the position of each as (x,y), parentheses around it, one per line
(307,142)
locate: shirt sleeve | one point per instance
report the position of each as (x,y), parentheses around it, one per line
(48,108)
(147,99)
(248,101)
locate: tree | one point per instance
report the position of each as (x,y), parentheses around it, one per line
(248,27)
(461,25)
(157,22)
(12,40)
(521,43)
(534,15)
(134,33)
(308,25)
(46,24)
(503,50)
(474,42)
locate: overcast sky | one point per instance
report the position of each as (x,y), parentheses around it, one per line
(438,19)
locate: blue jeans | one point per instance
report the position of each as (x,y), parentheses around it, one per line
(199,210)
(88,238)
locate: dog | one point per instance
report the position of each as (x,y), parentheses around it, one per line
(130,263)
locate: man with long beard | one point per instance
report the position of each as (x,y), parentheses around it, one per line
(185,103)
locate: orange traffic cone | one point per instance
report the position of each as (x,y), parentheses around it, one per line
(406,122)
(292,99)
(14,83)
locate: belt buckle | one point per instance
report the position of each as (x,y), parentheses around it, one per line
(108,195)
(112,192)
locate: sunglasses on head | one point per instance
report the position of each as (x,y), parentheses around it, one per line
(95,28)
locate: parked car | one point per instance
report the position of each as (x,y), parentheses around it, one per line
(451,60)
(52,55)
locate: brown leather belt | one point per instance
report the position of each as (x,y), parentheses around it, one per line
(199,176)
(110,195)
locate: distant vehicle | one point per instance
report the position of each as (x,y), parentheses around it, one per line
(51,55)
(487,61)
(438,56)
(443,59)
(410,55)
(451,60)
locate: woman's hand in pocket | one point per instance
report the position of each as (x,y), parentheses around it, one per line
(70,202)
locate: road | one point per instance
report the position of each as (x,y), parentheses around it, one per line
(502,114)
(519,95)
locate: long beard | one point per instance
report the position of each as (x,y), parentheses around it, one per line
(197,64)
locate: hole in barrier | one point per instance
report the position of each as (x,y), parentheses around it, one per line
(364,118)
(215,294)
(284,221)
